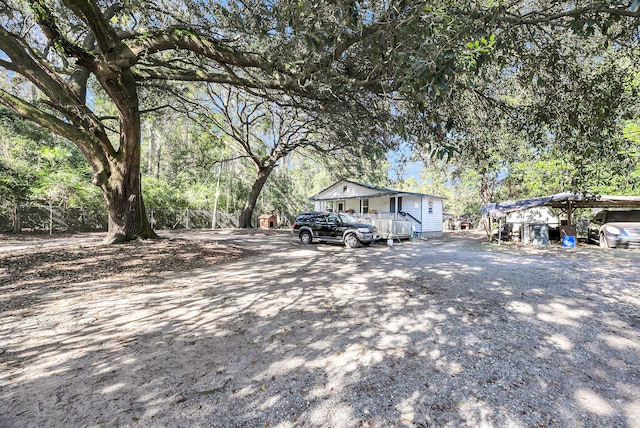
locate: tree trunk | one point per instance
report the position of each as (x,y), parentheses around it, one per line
(127,215)
(157,155)
(485,196)
(122,187)
(122,184)
(249,207)
(17,219)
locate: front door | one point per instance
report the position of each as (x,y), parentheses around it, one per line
(392,204)
(340,206)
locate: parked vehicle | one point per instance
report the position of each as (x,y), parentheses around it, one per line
(611,229)
(334,227)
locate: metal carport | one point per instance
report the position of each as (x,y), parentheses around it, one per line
(566,201)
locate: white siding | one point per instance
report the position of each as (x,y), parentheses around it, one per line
(353,204)
(348,204)
(381,205)
(342,190)
(412,205)
(349,195)
(432,222)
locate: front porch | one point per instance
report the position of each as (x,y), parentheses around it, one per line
(395,213)
(387,226)
(394,223)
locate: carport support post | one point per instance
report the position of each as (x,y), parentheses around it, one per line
(569,214)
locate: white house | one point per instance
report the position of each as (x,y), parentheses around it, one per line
(392,211)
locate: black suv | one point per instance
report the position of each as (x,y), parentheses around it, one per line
(334,227)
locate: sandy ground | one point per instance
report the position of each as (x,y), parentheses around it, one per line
(225,329)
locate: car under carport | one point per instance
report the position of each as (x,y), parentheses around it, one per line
(567,202)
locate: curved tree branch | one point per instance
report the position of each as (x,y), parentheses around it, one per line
(541,17)
(89,146)
(183,38)
(89,12)
(25,62)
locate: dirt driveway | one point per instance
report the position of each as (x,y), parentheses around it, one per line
(226,329)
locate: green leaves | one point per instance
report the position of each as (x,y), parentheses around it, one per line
(41,167)
(483,45)
(15,181)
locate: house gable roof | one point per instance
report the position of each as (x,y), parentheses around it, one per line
(347,189)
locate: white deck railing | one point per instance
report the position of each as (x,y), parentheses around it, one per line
(389,228)
(386,225)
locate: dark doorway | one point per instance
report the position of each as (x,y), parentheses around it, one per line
(392,204)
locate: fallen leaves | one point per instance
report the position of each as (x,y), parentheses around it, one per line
(216,390)
(25,274)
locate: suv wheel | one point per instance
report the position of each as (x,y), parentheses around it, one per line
(305,237)
(351,241)
(603,241)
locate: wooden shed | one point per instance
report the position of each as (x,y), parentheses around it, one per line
(268,221)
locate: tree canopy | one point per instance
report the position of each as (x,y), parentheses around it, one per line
(89,69)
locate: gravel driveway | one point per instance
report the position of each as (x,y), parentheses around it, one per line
(445,332)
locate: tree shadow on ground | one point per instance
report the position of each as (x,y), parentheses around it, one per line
(420,334)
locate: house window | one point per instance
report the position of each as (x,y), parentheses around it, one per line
(365,206)
(330,206)
(430,207)
(344,189)
(392,204)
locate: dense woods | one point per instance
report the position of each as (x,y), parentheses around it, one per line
(238,106)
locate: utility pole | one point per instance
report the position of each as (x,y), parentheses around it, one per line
(215,201)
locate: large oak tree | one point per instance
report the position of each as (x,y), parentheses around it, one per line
(60,56)
(264,132)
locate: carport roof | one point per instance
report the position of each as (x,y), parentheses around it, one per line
(566,200)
